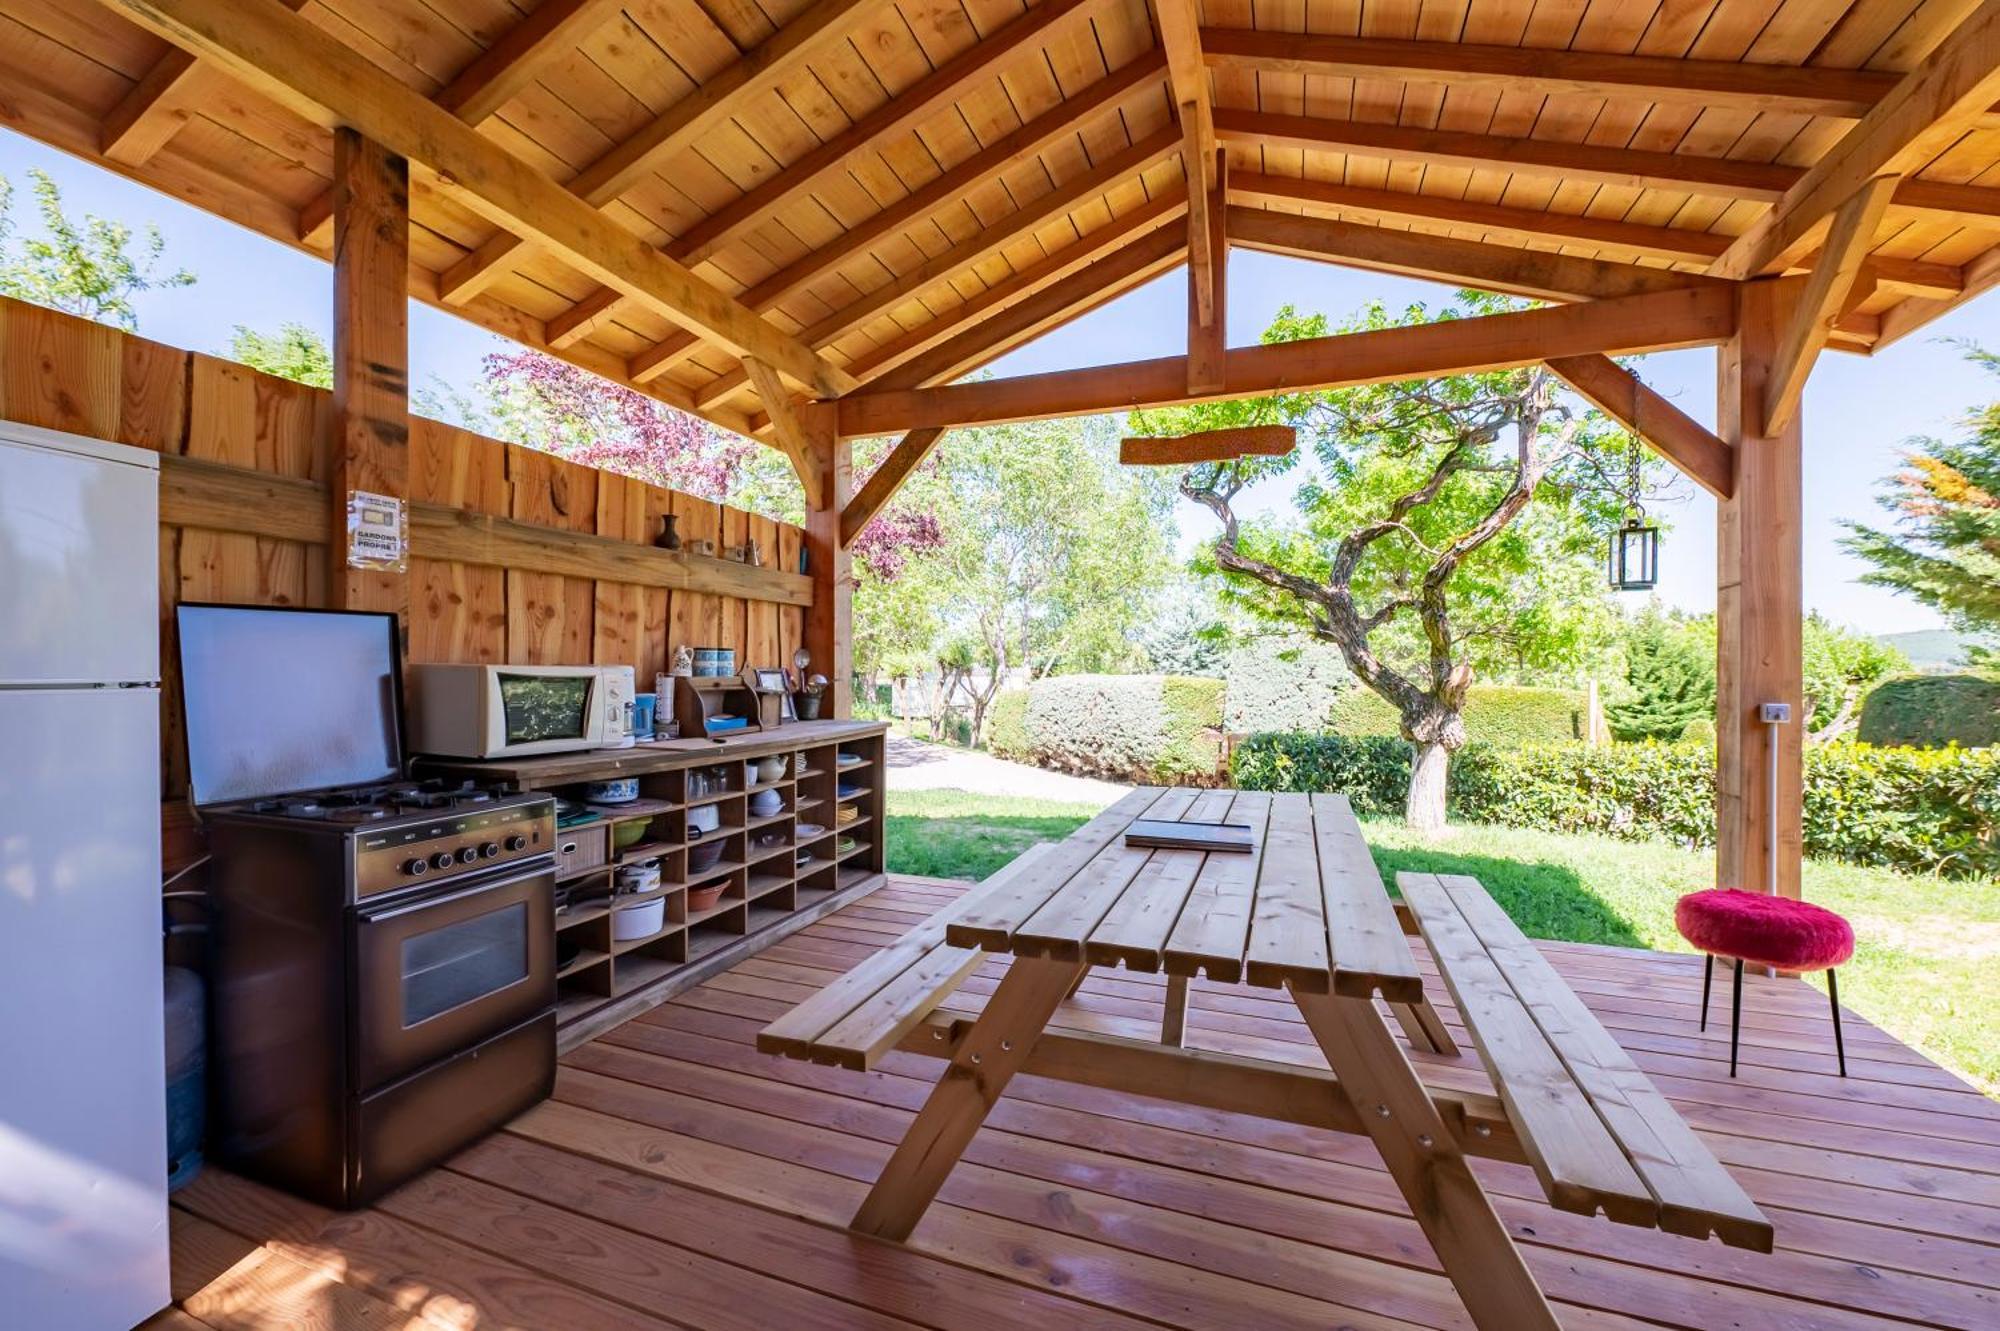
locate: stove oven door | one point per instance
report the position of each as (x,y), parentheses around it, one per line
(439,973)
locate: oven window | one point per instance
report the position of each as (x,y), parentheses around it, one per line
(540,707)
(458,963)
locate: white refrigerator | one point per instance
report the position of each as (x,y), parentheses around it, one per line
(83,1193)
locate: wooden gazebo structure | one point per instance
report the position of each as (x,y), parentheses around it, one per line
(804,220)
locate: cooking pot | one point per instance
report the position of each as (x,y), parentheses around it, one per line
(703,818)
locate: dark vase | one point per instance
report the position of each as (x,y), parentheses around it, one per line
(807,705)
(668,539)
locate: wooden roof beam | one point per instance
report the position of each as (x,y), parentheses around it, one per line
(671,133)
(284,57)
(1676,436)
(147,118)
(1180,37)
(495,77)
(1698,316)
(887,478)
(1059,122)
(1823,299)
(1929,110)
(1724,84)
(1208,340)
(1538,274)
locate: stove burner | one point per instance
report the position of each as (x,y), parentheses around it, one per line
(359,813)
(302,809)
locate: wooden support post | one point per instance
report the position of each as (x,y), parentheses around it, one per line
(370,448)
(1758,606)
(1173,1019)
(830,617)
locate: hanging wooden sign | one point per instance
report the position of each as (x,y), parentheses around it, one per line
(1209,446)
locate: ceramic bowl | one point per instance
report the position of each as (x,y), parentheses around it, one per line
(703,857)
(766,802)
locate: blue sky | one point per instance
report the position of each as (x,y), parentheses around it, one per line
(1858,411)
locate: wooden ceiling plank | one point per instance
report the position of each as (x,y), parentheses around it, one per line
(786,427)
(288,59)
(146,119)
(1784,89)
(1657,321)
(887,478)
(1823,300)
(1179,30)
(1924,114)
(671,133)
(1675,435)
(1060,121)
(928,96)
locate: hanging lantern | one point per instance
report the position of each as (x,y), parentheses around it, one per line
(1635,554)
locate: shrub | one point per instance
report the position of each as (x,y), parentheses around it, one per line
(1007,724)
(1284,684)
(1925,810)
(1505,715)
(1701,730)
(1156,728)
(1931,711)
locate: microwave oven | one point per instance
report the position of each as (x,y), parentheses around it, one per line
(511,711)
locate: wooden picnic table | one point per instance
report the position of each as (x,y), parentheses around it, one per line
(1305,912)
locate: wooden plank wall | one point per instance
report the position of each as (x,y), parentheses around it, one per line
(65,373)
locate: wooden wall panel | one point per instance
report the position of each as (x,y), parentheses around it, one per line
(458,612)
(655,648)
(619,606)
(549,617)
(697,616)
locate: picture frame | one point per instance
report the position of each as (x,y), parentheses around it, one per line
(772,679)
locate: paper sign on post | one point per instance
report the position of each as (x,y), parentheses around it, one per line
(377,537)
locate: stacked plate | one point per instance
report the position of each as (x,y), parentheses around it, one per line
(845,814)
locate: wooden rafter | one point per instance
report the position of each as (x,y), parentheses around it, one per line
(1180,37)
(1271,441)
(286,58)
(887,478)
(1059,122)
(786,427)
(1674,434)
(1784,89)
(1822,299)
(1536,273)
(147,118)
(1697,316)
(496,76)
(671,133)
(1930,109)
(988,241)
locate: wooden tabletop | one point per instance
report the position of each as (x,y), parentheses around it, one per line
(1305,909)
(659,756)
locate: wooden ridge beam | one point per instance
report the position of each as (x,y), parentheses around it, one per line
(990,240)
(887,478)
(288,59)
(1657,321)
(1822,300)
(928,96)
(146,119)
(1673,434)
(1058,122)
(1180,37)
(1784,89)
(1520,272)
(1929,110)
(672,132)
(1181,450)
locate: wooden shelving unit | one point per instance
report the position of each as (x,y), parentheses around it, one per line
(767,889)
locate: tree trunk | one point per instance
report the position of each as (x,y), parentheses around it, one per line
(1429,765)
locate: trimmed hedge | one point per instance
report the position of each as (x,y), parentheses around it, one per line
(1922,810)
(1931,711)
(1506,715)
(1164,729)
(1287,683)
(1007,724)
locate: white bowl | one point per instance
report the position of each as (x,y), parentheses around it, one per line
(629,922)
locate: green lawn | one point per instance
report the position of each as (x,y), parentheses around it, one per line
(1925,968)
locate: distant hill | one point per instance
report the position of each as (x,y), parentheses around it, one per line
(1930,649)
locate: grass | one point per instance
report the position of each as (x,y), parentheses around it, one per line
(1924,968)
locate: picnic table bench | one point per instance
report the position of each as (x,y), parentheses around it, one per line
(1304,912)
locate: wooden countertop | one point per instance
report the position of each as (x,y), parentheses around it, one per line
(557,769)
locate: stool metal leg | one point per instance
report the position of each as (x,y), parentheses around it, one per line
(1735,1014)
(1833,996)
(1707,978)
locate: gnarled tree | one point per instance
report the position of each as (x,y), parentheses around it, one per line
(1452,525)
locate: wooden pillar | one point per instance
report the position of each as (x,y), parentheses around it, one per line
(830,617)
(1758,611)
(370,447)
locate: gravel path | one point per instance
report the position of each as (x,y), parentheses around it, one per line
(916,765)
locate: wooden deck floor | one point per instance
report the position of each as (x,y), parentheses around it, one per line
(682,1179)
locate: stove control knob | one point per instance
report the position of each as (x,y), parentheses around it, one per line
(416,866)
(441,860)
(489,850)
(517,843)
(468,855)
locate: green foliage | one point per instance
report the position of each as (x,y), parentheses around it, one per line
(1184,633)
(1007,725)
(1701,730)
(1154,728)
(1669,678)
(1373,771)
(1287,682)
(92,269)
(1840,666)
(1931,711)
(294,352)
(1944,548)
(1505,715)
